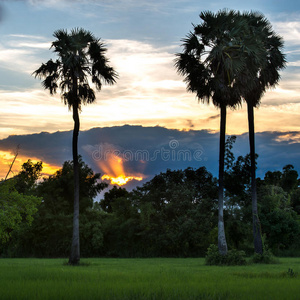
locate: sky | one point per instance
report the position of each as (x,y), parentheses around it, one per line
(142,38)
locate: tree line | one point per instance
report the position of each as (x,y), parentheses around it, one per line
(175,214)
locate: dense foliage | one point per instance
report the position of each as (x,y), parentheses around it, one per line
(50,233)
(174,214)
(15,209)
(232,258)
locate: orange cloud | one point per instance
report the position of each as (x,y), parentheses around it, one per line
(113,168)
(6,159)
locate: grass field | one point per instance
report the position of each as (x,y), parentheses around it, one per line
(158,278)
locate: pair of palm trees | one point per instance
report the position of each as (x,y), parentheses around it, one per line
(229,58)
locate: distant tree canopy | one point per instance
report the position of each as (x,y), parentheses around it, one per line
(278,203)
(51,228)
(15,208)
(25,181)
(173,214)
(57,190)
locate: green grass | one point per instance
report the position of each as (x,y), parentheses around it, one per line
(146,279)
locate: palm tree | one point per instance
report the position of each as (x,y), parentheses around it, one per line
(214,55)
(80,56)
(266,75)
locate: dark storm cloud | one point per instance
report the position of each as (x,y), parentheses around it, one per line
(52,148)
(147,150)
(151,150)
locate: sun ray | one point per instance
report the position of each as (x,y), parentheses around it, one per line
(113,169)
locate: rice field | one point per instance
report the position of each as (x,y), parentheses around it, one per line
(157,278)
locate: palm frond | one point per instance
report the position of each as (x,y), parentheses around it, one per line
(49,68)
(86,94)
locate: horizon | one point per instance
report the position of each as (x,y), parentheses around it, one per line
(138,153)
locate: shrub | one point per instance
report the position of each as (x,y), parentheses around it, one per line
(233,257)
(213,256)
(266,258)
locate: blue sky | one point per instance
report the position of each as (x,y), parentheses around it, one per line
(142,38)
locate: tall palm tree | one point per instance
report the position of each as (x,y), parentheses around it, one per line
(80,56)
(214,55)
(264,75)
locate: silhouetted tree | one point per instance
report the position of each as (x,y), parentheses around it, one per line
(215,55)
(30,172)
(80,56)
(264,74)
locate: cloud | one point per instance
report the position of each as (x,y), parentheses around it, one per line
(11,59)
(31,111)
(146,151)
(114,5)
(294,63)
(138,61)
(53,3)
(154,5)
(290,137)
(148,91)
(20,53)
(147,83)
(213,117)
(289,30)
(143,150)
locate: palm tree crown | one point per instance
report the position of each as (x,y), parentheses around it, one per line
(80,55)
(214,57)
(264,72)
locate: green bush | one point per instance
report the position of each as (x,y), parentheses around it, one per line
(266,258)
(213,256)
(233,257)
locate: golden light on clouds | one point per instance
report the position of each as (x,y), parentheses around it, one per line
(6,159)
(113,169)
(292,137)
(121,180)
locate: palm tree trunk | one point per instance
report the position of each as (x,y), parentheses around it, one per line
(221,229)
(75,248)
(258,246)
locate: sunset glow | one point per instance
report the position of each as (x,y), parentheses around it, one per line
(113,169)
(6,159)
(121,180)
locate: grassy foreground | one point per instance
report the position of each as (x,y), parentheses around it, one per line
(146,279)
